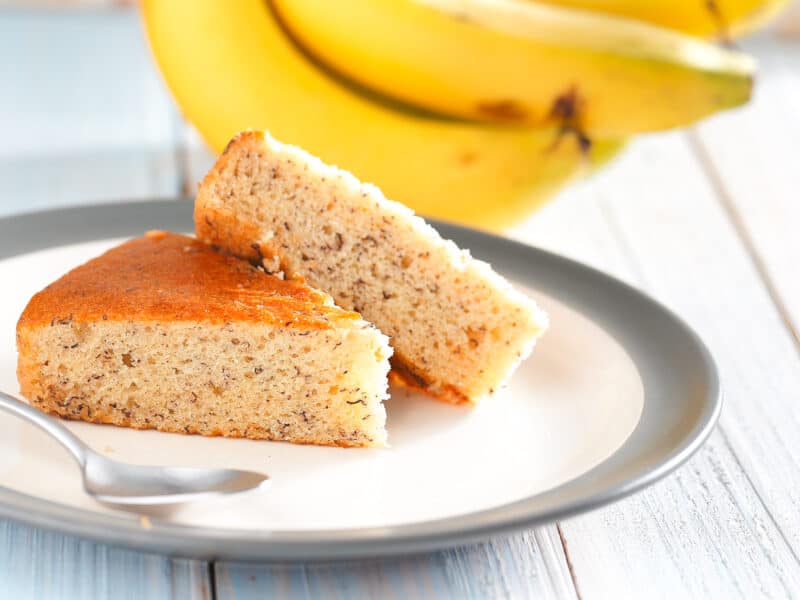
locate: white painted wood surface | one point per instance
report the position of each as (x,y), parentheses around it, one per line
(530,565)
(704,220)
(752,158)
(42,564)
(723,525)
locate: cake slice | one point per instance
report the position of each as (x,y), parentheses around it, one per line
(458,329)
(164,333)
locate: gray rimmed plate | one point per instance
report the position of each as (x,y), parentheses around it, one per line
(618,394)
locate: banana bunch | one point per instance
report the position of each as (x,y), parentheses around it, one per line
(468,110)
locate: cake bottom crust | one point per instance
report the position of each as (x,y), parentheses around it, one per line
(54,406)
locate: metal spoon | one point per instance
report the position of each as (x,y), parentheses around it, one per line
(113,482)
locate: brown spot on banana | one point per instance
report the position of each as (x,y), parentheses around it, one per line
(566,106)
(502,110)
(567,109)
(723,31)
(584,142)
(467,158)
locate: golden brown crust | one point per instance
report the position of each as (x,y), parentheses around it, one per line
(169,277)
(231,235)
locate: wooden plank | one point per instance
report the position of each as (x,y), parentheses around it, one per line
(693,258)
(753,156)
(701,534)
(40,564)
(725,525)
(530,565)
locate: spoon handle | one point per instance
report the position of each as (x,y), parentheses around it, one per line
(64,436)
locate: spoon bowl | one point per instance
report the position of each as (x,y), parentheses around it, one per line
(114,482)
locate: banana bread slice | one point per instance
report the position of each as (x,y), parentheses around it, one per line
(165,333)
(458,329)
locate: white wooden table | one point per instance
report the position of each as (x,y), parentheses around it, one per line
(707,220)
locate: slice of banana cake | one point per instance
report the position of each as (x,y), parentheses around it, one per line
(163,332)
(458,329)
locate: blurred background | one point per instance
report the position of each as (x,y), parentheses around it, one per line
(86,117)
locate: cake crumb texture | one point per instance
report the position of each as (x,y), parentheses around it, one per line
(164,333)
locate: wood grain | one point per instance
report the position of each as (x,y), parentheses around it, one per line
(752,156)
(723,526)
(41,564)
(528,565)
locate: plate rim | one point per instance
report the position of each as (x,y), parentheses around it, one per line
(575,284)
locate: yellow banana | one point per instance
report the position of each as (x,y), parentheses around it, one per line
(231,67)
(521,62)
(721,19)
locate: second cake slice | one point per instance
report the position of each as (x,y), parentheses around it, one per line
(458,329)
